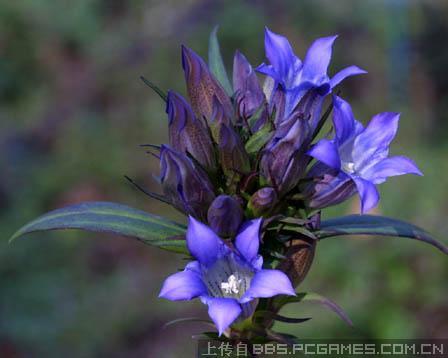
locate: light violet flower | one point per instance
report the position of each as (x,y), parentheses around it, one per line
(226,279)
(362,153)
(297,77)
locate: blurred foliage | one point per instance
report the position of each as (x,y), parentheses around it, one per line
(73,113)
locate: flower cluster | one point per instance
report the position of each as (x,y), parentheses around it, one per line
(243,158)
(247,164)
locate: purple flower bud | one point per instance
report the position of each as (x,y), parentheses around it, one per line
(249,94)
(187,133)
(310,107)
(327,188)
(186,186)
(284,161)
(202,86)
(234,158)
(219,116)
(277,105)
(225,216)
(263,201)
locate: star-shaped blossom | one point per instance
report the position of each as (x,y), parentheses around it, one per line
(226,279)
(297,77)
(363,153)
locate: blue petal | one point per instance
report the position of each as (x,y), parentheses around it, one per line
(268,283)
(248,239)
(268,70)
(368,194)
(343,74)
(372,145)
(183,285)
(389,167)
(223,311)
(279,53)
(327,152)
(344,122)
(202,242)
(318,58)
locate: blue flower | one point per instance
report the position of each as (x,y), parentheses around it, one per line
(226,279)
(362,153)
(297,77)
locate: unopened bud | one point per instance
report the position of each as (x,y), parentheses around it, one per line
(186,186)
(225,215)
(262,201)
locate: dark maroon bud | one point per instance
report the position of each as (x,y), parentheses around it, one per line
(310,107)
(202,86)
(277,105)
(189,134)
(284,160)
(249,95)
(326,187)
(262,201)
(233,156)
(219,117)
(185,185)
(225,216)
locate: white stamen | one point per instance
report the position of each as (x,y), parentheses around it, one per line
(232,285)
(348,167)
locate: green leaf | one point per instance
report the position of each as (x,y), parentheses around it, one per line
(156,89)
(112,218)
(259,139)
(280,301)
(216,63)
(252,120)
(300,230)
(375,225)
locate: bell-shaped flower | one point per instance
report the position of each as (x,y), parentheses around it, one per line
(187,133)
(297,77)
(202,86)
(184,184)
(226,279)
(362,153)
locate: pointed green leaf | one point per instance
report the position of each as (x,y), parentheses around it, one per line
(252,120)
(375,225)
(216,63)
(300,230)
(154,88)
(259,139)
(112,218)
(281,301)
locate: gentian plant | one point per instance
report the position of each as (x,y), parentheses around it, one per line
(248,166)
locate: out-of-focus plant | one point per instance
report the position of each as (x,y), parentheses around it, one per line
(247,164)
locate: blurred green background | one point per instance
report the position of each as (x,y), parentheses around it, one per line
(73,112)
